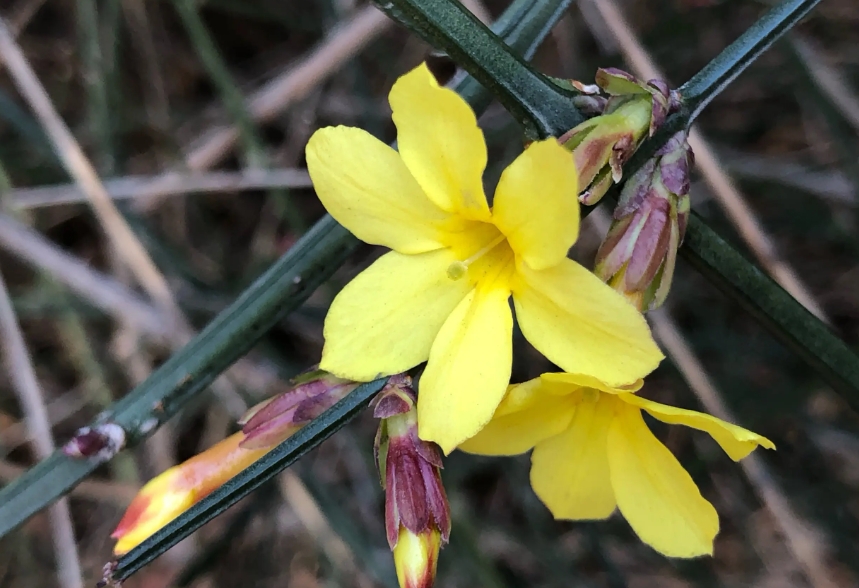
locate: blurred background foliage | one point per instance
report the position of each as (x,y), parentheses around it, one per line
(145,86)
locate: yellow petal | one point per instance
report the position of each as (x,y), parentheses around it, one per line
(523,419)
(468,369)
(438,138)
(535,204)
(365,185)
(384,321)
(570,472)
(564,383)
(736,441)
(655,494)
(582,325)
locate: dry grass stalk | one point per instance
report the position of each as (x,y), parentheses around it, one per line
(82,171)
(23,379)
(130,187)
(290,86)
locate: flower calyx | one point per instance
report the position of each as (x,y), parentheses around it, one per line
(310,394)
(417,514)
(632,111)
(639,252)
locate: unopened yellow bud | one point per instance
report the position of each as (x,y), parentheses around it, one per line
(415,557)
(174,491)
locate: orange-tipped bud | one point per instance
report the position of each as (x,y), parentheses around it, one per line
(415,557)
(174,491)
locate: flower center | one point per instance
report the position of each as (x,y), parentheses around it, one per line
(458,269)
(590,395)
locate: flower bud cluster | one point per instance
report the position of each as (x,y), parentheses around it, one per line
(601,145)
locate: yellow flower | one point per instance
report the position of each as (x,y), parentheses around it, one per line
(593,452)
(442,294)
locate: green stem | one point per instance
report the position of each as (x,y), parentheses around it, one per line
(541,107)
(733,60)
(281,289)
(776,310)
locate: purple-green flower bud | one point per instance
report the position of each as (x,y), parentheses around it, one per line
(638,254)
(310,394)
(603,144)
(417,514)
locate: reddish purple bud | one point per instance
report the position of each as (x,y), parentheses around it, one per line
(415,500)
(634,192)
(637,256)
(311,394)
(633,111)
(650,248)
(100,443)
(390,405)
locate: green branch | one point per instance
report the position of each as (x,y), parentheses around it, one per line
(721,71)
(541,107)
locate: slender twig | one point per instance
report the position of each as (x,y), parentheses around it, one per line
(727,194)
(250,479)
(116,493)
(79,168)
(23,379)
